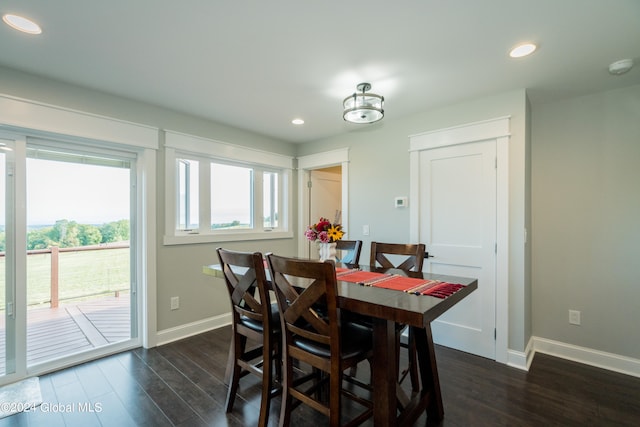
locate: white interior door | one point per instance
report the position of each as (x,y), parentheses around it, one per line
(457,199)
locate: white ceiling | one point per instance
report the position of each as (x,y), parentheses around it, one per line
(259,64)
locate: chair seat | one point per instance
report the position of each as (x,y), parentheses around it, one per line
(258,326)
(356,340)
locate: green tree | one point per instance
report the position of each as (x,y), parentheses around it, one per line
(66,233)
(40,238)
(117,231)
(89,234)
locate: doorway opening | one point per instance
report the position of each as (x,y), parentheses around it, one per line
(329,172)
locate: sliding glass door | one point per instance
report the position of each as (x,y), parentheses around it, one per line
(7,315)
(68,272)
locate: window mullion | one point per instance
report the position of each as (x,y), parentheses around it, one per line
(205,197)
(257,198)
(276,198)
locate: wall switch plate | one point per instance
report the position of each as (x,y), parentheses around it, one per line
(175,303)
(365,230)
(574,317)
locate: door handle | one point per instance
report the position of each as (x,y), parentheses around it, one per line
(426,255)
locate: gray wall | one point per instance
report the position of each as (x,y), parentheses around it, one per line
(586,220)
(379,171)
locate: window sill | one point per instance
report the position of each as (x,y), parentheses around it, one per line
(189,239)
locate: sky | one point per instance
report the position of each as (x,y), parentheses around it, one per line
(86,194)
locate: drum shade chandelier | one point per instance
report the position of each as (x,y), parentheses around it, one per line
(363,107)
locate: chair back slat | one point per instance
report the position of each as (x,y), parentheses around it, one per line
(413,252)
(299,306)
(246,279)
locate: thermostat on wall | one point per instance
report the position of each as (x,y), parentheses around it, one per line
(401,202)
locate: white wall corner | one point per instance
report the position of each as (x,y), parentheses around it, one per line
(167,336)
(519,359)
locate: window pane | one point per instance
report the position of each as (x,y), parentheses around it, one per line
(231,197)
(78,257)
(270,199)
(188,191)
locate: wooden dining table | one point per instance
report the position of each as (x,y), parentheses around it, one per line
(387,308)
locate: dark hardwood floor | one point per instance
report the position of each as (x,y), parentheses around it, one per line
(181,384)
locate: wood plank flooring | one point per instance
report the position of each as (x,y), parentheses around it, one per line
(181,384)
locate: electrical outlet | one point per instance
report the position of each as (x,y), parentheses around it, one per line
(574,317)
(175,303)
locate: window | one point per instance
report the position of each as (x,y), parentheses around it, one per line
(243,195)
(188,184)
(231,197)
(270,199)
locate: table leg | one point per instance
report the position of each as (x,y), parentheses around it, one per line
(429,372)
(384,376)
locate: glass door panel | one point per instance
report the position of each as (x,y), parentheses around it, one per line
(79,270)
(3,269)
(7,270)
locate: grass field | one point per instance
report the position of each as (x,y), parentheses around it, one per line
(81,275)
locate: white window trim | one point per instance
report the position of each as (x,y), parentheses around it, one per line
(50,119)
(177,143)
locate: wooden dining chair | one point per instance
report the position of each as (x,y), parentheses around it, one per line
(349,251)
(319,340)
(408,257)
(254,318)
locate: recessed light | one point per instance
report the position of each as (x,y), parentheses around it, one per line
(621,67)
(22,24)
(297,121)
(522,50)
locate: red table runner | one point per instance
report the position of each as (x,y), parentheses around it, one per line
(434,288)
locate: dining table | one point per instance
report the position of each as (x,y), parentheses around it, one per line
(390,297)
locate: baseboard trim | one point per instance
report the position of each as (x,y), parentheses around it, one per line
(516,359)
(520,360)
(588,356)
(184,331)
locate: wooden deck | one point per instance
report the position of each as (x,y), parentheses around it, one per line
(56,332)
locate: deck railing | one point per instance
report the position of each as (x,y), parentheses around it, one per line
(87,291)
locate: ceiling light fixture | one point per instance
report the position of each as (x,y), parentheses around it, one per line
(297,121)
(22,24)
(363,107)
(523,50)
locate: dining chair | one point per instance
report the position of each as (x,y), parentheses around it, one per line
(349,251)
(254,318)
(318,340)
(408,257)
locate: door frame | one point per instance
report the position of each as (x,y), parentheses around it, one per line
(308,163)
(494,129)
(22,117)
